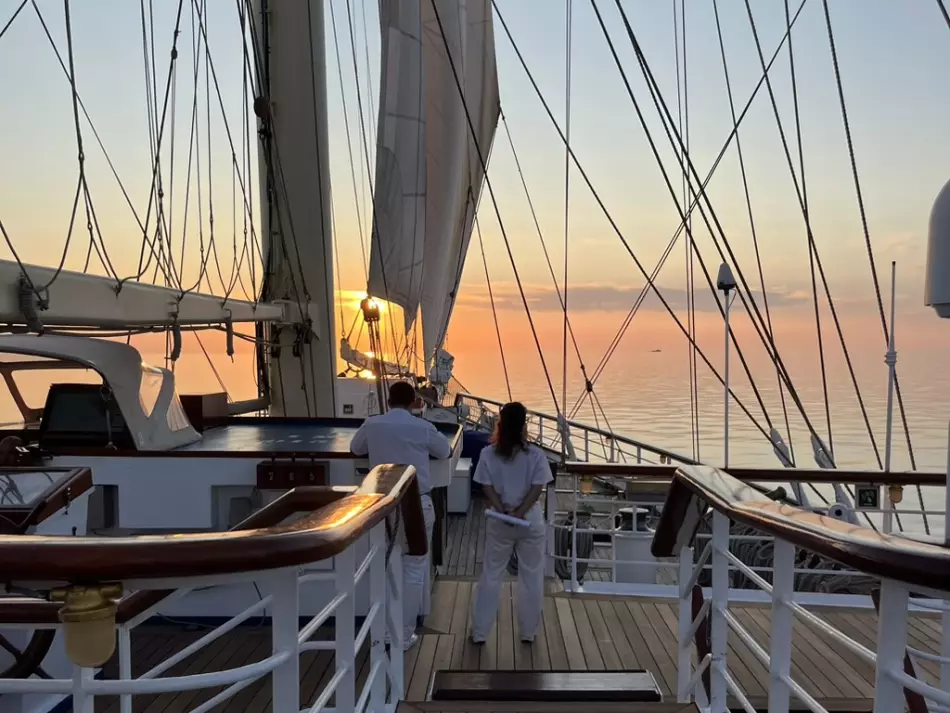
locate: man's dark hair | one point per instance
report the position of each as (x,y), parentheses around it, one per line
(401,395)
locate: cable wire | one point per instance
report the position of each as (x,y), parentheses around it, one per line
(484,167)
(494,313)
(610,219)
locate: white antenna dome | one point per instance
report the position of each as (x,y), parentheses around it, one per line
(937,285)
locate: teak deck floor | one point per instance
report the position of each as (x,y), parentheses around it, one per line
(579,633)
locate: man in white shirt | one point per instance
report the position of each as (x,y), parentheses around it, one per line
(400,438)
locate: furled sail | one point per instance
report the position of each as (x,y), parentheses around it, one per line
(428,171)
(454,169)
(399,207)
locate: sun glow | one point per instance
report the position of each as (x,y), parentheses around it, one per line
(352,299)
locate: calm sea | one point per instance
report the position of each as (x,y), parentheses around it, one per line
(646,395)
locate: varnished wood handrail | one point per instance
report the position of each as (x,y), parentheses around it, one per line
(33,610)
(320,535)
(694,488)
(762,475)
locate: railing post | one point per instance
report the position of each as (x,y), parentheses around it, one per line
(83,702)
(613,543)
(945,647)
(285,628)
(377,635)
(780,656)
(719,627)
(551,506)
(345,629)
(125,666)
(891,648)
(394,621)
(586,445)
(574,538)
(684,663)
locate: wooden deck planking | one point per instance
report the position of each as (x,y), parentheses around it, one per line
(588,633)
(581,633)
(578,633)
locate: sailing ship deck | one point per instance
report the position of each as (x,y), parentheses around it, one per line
(579,633)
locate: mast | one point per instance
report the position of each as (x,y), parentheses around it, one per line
(291,106)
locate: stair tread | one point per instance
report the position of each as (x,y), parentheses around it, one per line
(544,707)
(602,686)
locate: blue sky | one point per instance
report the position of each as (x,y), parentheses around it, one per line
(892,56)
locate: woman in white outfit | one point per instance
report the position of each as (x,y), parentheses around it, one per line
(513,474)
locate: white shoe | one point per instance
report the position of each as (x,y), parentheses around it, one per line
(406,644)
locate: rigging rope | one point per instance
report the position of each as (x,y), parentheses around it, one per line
(494,313)
(748,201)
(481,159)
(366,154)
(156,161)
(682,111)
(588,384)
(683,224)
(811,262)
(214,369)
(107,264)
(14,16)
(655,95)
(943,11)
(607,214)
(275,179)
(867,240)
(811,240)
(101,247)
(349,141)
(661,106)
(567,201)
(324,245)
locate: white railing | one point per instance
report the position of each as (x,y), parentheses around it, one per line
(621,563)
(587,443)
(593,444)
(893,685)
(888,661)
(281,596)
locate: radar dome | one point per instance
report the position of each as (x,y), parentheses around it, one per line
(937,285)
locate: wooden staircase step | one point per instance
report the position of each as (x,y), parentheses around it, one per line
(546,686)
(541,707)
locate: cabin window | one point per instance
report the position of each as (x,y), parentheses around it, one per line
(28,379)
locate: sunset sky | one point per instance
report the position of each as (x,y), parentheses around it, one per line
(892,57)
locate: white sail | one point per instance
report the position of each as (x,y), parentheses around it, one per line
(428,171)
(399,206)
(455,173)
